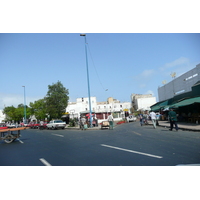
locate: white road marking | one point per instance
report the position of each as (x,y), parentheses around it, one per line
(136,133)
(137,152)
(20,141)
(58,135)
(44,162)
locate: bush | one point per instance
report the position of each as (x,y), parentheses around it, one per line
(72,122)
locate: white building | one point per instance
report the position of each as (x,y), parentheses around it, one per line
(2,116)
(142,101)
(100,109)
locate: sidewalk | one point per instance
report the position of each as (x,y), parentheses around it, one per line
(181,125)
(166,124)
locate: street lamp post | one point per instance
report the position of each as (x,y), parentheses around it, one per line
(107,104)
(88,81)
(24,105)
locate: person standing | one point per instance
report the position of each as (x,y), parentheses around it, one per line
(173,120)
(110,120)
(153,118)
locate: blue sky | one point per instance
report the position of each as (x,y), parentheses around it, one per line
(123,63)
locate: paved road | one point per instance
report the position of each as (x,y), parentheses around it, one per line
(126,145)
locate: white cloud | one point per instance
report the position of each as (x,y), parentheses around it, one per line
(143,85)
(147,73)
(176,63)
(15,100)
(150,92)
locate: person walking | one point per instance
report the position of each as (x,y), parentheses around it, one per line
(153,118)
(145,116)
(173,119)
(110,120)
(157,118)
(141,119)
(83,123)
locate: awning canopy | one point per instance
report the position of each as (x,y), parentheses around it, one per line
(185,102)
(165,105)
(158,106)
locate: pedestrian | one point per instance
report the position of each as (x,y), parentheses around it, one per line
(141,119)
(173,119)
(127,119)
(152,114)
(110,120)
(157,118)
(127,116)
(145,116)
(83,123)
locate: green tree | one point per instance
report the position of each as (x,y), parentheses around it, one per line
(16,114)
(38,108)
(56,100)
(9,111)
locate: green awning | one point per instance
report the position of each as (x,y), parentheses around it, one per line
(158,106)
(185,102)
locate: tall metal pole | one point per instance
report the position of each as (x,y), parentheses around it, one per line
(24,105)
(88,79)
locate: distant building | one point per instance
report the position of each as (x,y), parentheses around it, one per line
(142,101)
(2,116)
(180,85)
(100,109)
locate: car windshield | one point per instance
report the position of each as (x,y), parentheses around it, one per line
(58,121)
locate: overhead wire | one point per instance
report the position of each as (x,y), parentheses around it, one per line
(96,69)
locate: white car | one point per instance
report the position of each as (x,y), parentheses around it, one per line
(131,118)
(12,125)
(55,124)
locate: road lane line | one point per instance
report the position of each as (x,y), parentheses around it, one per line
(137,152)
(20,141)
(57,135)
(137,133)
(44,162)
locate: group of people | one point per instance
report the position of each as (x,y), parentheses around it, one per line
(143,120)
(85,123)
(155,116)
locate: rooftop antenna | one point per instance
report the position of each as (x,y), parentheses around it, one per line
(164,82)
(173,75)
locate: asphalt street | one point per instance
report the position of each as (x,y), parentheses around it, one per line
(127,145)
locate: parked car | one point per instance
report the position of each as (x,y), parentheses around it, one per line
(55,124)
(33,125)
(3,126)
(12,125)
(25,125)
(131,118)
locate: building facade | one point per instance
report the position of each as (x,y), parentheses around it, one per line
(2,117)
(180,85)
(100,109)
(142,101)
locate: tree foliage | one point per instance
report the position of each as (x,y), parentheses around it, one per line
(53,105)
(38,108)
(56,100)
(16,114)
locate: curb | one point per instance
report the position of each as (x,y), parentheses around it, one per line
(181,128)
